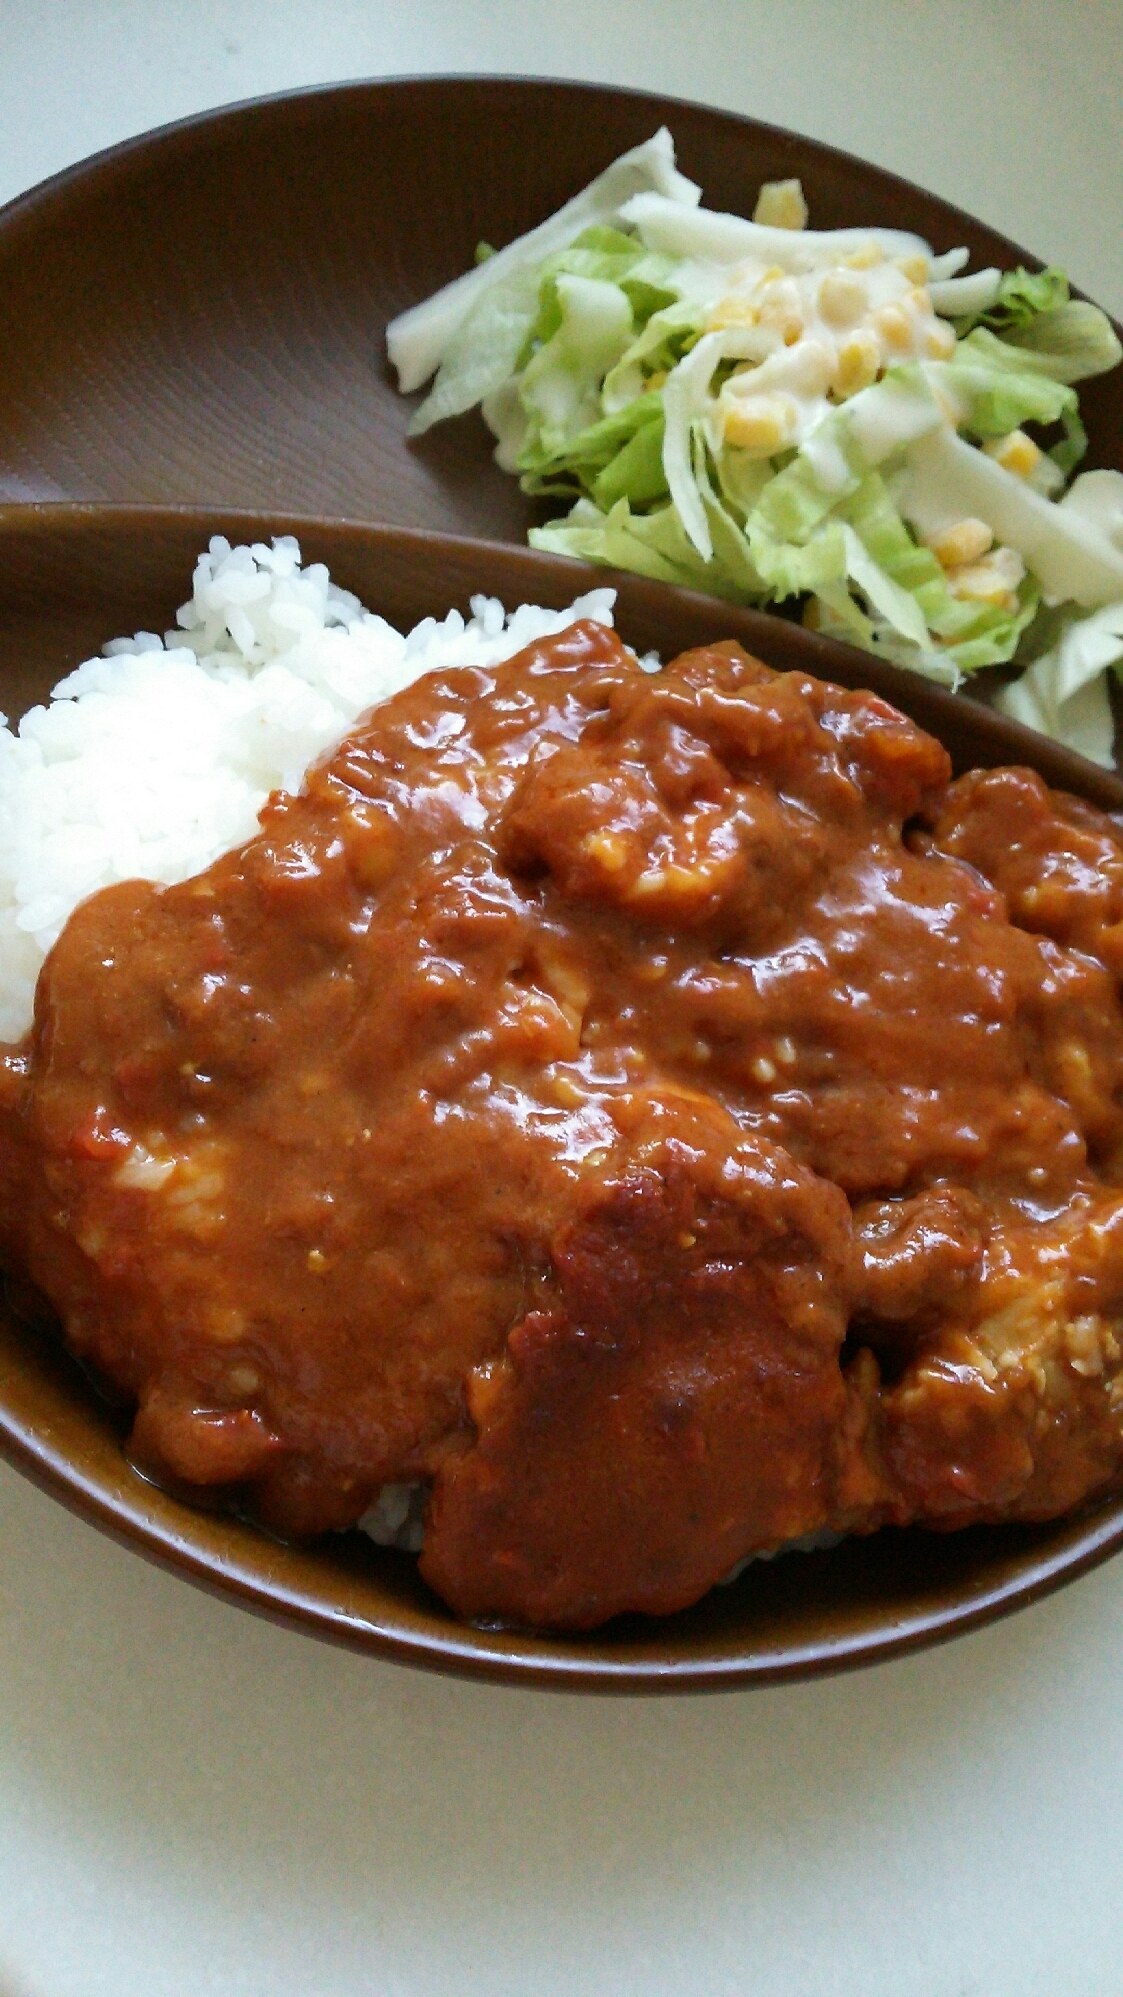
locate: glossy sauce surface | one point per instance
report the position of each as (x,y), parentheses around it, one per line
(658,1110)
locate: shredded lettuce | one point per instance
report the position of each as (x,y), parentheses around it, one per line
(1064,693)
(703,431)
(1032,310)
(599,253)
(971,634)
(1097,497)
(999,388)
(966,299)
(946,479)
(701,233)
(560,387)
(666,338)
(619,457)
(1018,297)
(437,334)
(1073,342)
(652,544)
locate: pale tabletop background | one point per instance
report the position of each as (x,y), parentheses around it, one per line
(193,1804)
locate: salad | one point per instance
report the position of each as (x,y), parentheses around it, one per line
(767,413)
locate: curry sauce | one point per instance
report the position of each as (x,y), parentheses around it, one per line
(663,1113)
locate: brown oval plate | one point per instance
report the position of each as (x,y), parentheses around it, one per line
(198,315)
(71,577)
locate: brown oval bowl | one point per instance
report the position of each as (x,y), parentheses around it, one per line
(198,315)
(71,577)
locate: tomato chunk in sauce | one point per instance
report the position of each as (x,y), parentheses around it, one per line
(661,1113)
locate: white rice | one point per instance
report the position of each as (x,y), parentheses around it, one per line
(152,760)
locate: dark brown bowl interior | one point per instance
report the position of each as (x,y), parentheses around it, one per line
(71,577)
(198,316)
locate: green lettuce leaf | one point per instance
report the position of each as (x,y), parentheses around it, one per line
(419,340)
(1073,342)
(1033,311)
(874,583)
(652,544)
(1064,693)
(667,336)
(1003,386)
(636,472)
(1022,295)
(998,388)
(481,353)
(560,385)
(619,457)
(970,635)
(944,478)
(731,552)
(601,252)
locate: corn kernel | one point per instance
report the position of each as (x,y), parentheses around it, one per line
(940,341)
(735,309)
(317,1261)
(994,580)
(761,424)
(1015,452)
(865,256)
(780,308)
(859,362)
(780,205)
(914,267)
(895,328)
(811,369)
(979,584)
(964,541)
(843,297)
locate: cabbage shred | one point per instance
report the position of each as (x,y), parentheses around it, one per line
(842,421)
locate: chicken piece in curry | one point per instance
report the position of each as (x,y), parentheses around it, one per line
(662,1113)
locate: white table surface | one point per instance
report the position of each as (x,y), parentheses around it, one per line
(193,1803)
